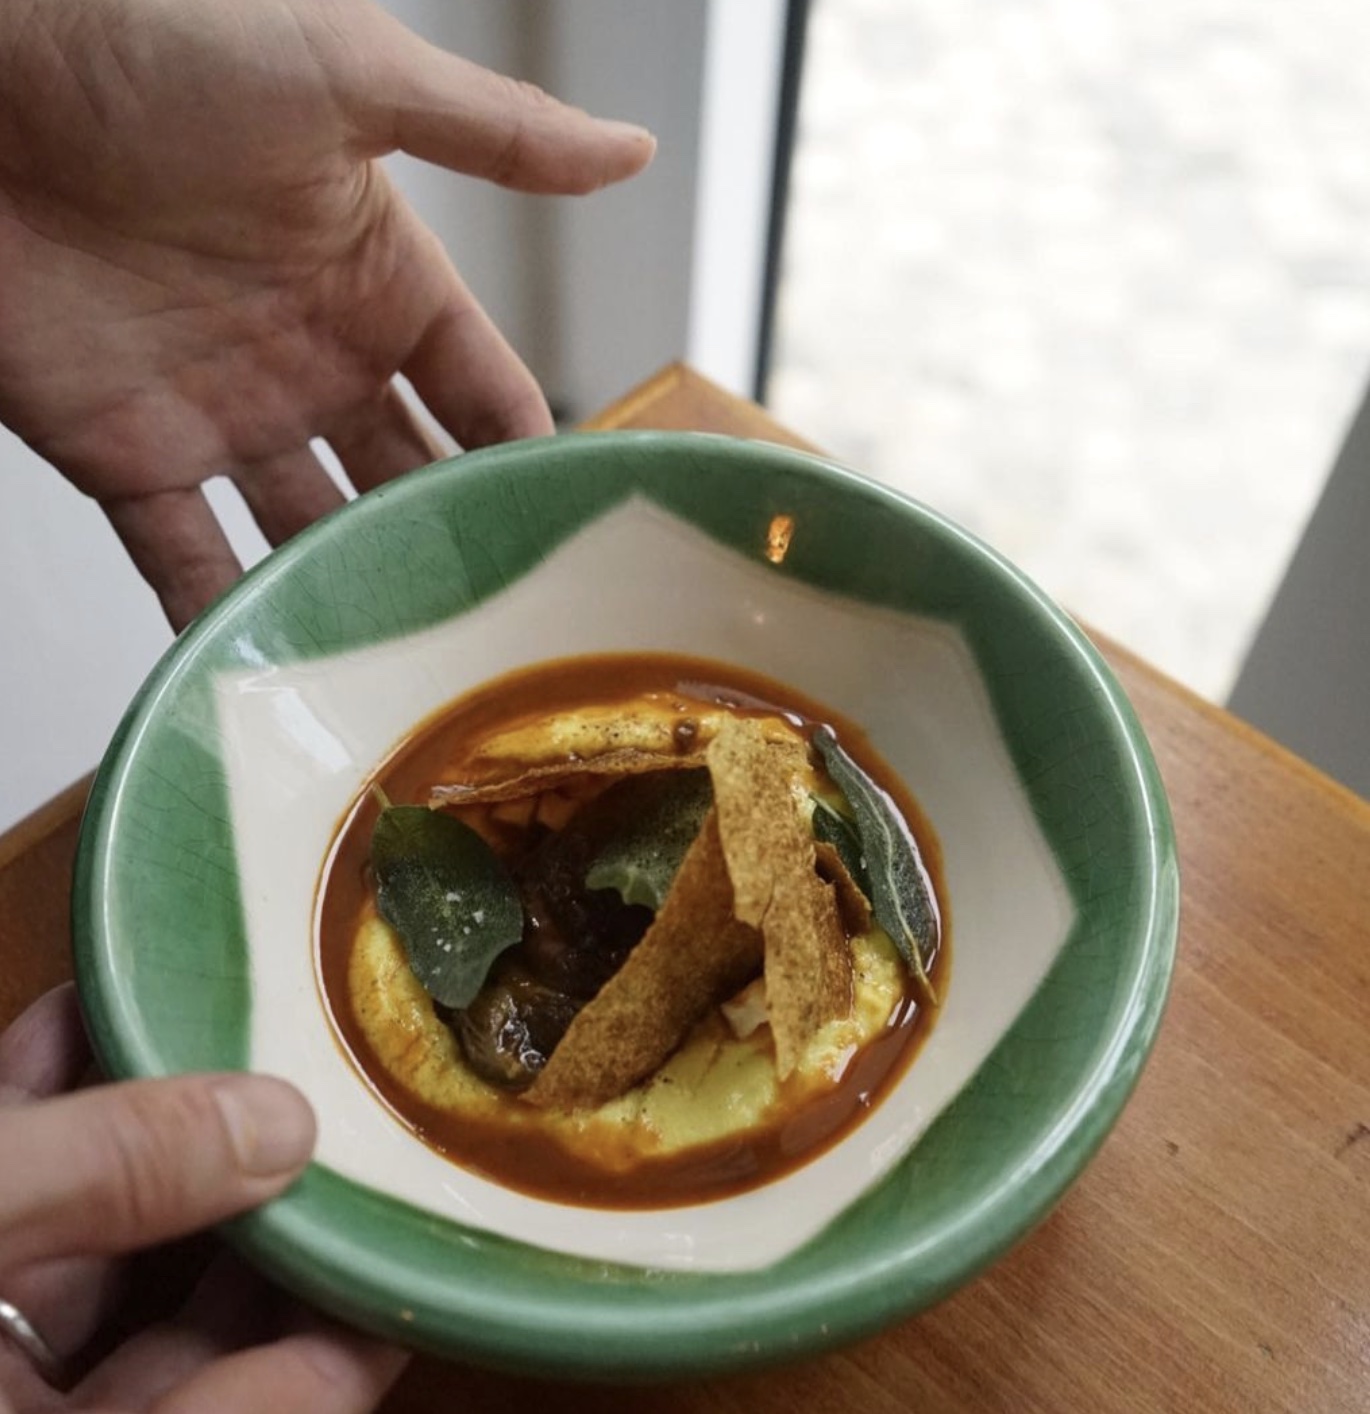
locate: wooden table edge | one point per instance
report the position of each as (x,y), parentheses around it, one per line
(46,821)
(634,409)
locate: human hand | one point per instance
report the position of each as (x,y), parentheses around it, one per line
(90,1176)
(205,267)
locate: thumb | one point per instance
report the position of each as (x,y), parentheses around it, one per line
(444,109)
(128,1166)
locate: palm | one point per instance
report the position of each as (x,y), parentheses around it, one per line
(215,271)
(209,362)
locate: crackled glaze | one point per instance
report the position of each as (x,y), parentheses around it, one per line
(203,843)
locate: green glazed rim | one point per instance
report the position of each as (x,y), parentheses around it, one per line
(156,849)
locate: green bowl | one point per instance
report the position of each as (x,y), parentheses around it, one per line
(216,803)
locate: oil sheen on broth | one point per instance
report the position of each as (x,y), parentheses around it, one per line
(715,1119)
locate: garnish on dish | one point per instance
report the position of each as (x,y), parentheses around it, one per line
(650,934)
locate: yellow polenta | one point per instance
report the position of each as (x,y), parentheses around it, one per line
(716,1085)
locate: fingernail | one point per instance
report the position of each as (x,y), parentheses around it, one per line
(629,130)
(269,1124)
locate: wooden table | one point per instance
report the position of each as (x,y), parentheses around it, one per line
(1216,1254)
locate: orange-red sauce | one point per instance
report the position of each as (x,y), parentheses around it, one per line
(527,1157)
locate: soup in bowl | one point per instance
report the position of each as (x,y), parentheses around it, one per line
(762,1102)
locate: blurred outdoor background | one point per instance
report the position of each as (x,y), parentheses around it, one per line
(1092,279)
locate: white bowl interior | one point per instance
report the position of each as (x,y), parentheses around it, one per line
(300,740)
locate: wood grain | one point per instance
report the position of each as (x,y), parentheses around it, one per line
(1215,1256)
(35,900)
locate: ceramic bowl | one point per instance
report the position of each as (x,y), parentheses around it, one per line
(213,811)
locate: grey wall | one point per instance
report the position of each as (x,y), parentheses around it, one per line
(593,292)
(1306,680)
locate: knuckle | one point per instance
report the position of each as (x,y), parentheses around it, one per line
(507,161)
(524,95)
(512,157)
(520,414)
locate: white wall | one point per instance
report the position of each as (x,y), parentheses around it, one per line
(595,294)
(78,632)
(672,264)
(615,267)
(743,56)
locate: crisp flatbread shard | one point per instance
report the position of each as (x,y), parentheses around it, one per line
(771,859)
(613,739)
(695,954)
(853,907)
(627,762)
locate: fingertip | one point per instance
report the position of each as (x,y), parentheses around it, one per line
(45,1048)
(442,108)
(605,151)
(337,1371)
(345,1359)
(636,147)
(524,415)
(270,1125)
(472,381)
(179,547)
(633,133)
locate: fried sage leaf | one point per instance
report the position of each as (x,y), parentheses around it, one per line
(440,887)
(900,895)
(658,818)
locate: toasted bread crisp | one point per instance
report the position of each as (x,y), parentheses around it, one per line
(612,739)
(694,955)
(853,906)
(771,860)
(629,761)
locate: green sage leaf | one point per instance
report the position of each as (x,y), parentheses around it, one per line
(900,894)
(656,818)
(441,888)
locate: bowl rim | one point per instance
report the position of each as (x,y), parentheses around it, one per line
(719,1323)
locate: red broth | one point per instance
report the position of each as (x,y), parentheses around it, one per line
(529,1156)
